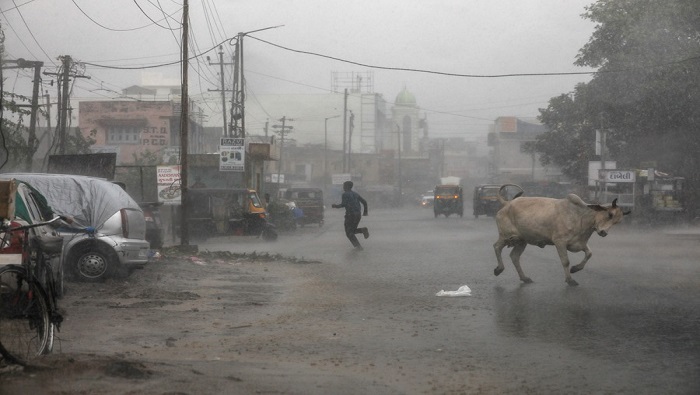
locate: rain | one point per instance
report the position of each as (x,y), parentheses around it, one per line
(465,127)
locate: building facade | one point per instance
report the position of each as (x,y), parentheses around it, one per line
(510,162)
(136,127)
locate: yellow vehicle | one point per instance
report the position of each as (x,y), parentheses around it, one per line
(486,200)
(448,200)
(228,211)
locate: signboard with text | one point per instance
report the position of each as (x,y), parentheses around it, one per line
(617,175)
(340,178)
(232,154)
(168,178)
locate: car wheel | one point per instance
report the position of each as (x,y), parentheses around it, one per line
(93,265)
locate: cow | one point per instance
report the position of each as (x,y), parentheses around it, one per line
(565,223)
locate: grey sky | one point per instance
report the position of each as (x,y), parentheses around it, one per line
(483,37)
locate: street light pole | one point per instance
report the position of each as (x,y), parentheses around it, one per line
(398,132)
(325,154)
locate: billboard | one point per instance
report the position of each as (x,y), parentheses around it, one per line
(232,154)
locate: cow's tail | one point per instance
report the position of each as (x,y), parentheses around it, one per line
(503,187)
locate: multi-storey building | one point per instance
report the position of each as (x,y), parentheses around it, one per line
(136,127)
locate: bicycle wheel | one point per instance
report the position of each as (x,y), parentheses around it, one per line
(25,324)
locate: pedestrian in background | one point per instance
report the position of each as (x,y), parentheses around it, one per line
(352,200)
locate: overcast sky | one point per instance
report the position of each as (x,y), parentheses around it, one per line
(475,37)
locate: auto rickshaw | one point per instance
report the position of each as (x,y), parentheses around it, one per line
(486,200)
(448,200)
(228,211)
(310,201)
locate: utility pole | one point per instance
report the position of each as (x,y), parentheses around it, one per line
(32,142)
(398,131)
(238,102)
(282,130)
(64,99)
(325,153)
(351,126)
(184,124)
(345,130)
(62,132)
(48,109)
(223,87)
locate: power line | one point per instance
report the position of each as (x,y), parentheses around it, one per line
(31,33)
(120,30)
(149,17)
(473,75)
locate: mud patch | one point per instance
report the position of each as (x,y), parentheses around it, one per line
(127,370)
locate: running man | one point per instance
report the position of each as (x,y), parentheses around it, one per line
(353,213)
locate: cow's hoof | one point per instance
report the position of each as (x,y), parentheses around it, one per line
(497,271)
(574,269)
(526,280)
(572,282)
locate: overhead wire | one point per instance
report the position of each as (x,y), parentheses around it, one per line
(120,30)
(19,36)
(151,19)
(23,4)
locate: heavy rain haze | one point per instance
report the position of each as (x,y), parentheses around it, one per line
(471,54)
(306,313)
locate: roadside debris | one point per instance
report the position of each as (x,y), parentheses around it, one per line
(461,291)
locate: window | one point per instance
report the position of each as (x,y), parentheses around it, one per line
(123,135)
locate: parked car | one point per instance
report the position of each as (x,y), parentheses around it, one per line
(107,237)
(30,207)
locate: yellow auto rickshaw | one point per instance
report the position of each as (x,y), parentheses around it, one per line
(228,211)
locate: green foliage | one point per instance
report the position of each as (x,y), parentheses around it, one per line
(646,93)
(77,143)
(146,158)
(13,145)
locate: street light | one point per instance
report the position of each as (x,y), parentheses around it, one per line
(325,153)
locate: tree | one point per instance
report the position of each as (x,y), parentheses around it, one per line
(646,92)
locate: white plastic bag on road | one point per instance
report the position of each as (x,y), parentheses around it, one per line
(461,291)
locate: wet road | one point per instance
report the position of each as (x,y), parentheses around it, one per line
(631,326)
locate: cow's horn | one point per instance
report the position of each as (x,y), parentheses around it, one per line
(614,204)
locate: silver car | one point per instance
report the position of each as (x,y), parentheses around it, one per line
(107,237)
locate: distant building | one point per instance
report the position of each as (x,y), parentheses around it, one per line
(140,124)
(509,161)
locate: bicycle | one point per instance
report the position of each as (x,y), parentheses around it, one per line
(28,309)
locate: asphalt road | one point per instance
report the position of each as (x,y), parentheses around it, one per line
(631,326)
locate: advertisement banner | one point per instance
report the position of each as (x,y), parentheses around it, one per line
(232,154)
(340,178)
(168,179)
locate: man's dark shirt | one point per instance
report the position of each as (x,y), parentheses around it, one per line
(351,201)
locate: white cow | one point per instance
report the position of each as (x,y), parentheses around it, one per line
(565,223)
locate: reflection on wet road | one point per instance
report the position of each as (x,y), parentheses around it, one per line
(631,326)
